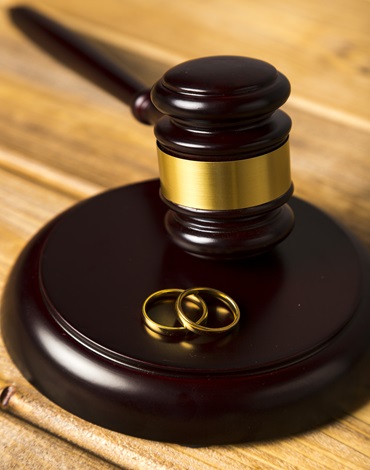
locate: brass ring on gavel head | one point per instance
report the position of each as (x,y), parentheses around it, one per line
(161,296)
(198,328)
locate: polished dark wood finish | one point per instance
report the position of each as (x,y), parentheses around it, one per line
(71,319)
(230,234)
(221,108)
(224,108)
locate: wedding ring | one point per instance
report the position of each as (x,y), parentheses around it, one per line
(163,296)
(197,327)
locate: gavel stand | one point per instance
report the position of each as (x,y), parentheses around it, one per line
(72,323)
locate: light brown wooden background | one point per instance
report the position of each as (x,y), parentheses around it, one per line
(62,139)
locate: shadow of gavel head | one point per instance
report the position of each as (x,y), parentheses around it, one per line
(223,155)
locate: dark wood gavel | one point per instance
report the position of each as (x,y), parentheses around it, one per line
(222,142)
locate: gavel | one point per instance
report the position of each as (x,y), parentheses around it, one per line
(223,146)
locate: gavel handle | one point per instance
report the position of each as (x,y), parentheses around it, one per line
(78,54)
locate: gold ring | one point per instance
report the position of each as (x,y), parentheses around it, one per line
(166,294)
(197,327)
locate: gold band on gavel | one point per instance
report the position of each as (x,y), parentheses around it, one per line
(225,185)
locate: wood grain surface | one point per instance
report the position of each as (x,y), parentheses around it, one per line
(62,139)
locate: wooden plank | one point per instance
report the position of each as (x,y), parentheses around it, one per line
(330,168)
(26,206)
(62,139)
(78,137)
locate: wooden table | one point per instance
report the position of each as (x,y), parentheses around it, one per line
(62,139)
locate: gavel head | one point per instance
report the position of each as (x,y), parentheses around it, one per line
(224,156)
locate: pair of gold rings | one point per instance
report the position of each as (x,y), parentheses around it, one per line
(179,298)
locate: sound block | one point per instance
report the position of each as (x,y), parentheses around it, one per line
(71,321)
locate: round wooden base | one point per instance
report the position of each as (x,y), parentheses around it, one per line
(71,319)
